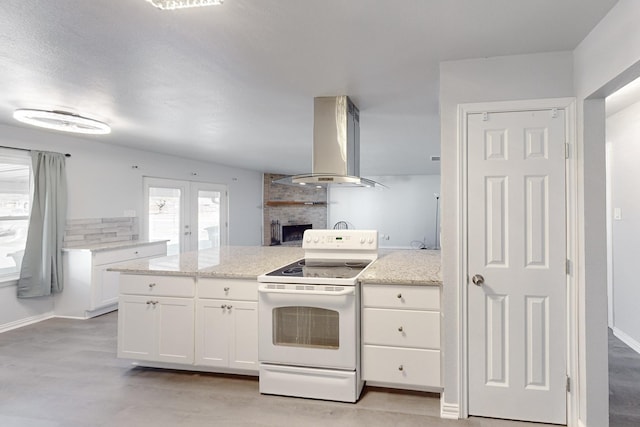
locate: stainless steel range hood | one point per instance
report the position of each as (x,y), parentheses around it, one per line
(336,146)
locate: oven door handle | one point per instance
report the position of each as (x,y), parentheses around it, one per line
(346,291)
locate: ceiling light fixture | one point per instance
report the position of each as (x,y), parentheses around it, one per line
(182,4)
(61,120)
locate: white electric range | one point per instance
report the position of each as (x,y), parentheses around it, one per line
(309,318)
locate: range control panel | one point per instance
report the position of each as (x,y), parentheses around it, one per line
(343,240)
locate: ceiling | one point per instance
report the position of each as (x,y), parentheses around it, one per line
(234,84)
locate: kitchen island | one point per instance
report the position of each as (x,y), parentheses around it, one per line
(198,311)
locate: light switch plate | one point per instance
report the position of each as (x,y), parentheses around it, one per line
(617,213)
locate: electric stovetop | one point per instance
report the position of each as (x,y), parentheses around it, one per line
(332,269)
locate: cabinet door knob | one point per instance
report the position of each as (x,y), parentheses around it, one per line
(135,253)
(151,285)
(400,368)
(229,307)
(399,296)
(223,306)
(148,302)
(400,329)
(226,289)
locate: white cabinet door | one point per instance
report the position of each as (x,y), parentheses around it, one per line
(157,329)
(104,287)
(136,328)
(243,344)
(175,329)
(227,334)
(212,333)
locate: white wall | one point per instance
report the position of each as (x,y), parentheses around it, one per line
(623,133)
(607,59)
(102,183)
(405,212)
(546,75)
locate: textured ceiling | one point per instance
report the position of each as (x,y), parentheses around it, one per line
(234,84)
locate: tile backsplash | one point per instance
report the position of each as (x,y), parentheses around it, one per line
(89,231)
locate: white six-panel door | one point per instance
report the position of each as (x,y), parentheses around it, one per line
(517,256)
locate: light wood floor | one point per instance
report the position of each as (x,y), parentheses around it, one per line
(63,372)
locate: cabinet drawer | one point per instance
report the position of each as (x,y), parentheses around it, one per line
(170,286)
(401,366)
(228,289)
(119,255)
(411,297)
(401,328)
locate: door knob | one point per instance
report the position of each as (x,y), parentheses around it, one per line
(477,279)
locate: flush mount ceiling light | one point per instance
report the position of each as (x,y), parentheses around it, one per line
(182,4)
(61,120)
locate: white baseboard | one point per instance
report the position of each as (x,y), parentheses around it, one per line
(449,410)
(26,321)
(581,424)
(635,345)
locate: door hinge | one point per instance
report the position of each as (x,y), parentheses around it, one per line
(554,113)
(568,267)
(567,150)
(568,384)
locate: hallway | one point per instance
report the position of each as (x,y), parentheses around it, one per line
(624,384)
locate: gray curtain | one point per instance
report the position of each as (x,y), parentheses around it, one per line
(41,272)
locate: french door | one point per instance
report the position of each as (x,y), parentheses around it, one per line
(191,215)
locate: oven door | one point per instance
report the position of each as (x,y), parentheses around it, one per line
(308,325)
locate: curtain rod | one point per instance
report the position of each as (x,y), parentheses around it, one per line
(26,149)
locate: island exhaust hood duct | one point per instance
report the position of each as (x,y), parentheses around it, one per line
(336,146)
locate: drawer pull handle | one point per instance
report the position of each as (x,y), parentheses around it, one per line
(151,285)
(226,289)
(400,368)
(148,302)
(399,296)
(400,329)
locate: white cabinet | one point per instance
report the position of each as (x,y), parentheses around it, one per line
(227,324)
(91,290)
(401,336)
(155,318)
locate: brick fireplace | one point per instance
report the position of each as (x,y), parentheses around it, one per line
(291,209)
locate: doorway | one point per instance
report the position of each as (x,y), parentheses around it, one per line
(623,216)
(190,215)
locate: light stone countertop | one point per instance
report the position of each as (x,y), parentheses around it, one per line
(106,246)
(404,267)
(397,267)
(233,262)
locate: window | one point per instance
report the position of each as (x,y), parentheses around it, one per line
(15,205)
